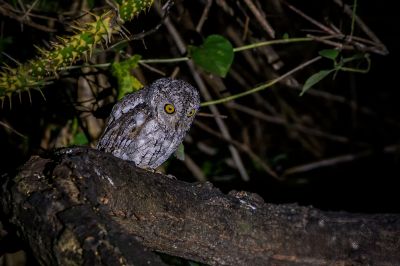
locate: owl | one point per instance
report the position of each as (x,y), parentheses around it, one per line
(147,126)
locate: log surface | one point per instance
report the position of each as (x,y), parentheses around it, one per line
(81,206)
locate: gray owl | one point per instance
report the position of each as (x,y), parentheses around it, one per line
(147,126)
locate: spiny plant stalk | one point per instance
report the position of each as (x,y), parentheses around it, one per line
(128,9)
(37,72)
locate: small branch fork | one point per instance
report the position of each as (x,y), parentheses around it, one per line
(347,42)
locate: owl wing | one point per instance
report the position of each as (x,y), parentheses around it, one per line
(126,104)
(121,132)
(124,116)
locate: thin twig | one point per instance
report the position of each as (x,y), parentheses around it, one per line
(194,168)
(261,19)
(246,28)
(360,23)
(222,126)
(12,129)
(338,45)
(378,47)
(8,13)
(140,36)
(329,162)
(152,69)
(310,19)
(280,41)
(27,13)
(353,18)
(21,4)
(233,35)
(282,121)
(244,148)
(210,115)
(204,15)
(166,60)
(11,58)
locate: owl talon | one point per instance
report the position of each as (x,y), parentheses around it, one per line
(151,170)
(156,171)
(172,177)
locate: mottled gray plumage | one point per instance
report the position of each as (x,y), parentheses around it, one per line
(144,128)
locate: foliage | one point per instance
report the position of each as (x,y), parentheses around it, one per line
(78,137)
(214,55)
(127,83)
(338,65)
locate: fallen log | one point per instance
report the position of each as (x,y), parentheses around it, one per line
(81,206)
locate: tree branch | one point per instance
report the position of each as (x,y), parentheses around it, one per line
(86,207)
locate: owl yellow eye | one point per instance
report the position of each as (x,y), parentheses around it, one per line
(169,108)
(191,112)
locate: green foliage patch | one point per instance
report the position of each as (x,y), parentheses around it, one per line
(215,55)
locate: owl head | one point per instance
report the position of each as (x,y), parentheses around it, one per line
(174,103)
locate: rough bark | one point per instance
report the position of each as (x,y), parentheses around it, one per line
(85,207)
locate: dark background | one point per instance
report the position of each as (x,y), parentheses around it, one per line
(367,184)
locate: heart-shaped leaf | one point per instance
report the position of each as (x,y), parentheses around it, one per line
(215,55)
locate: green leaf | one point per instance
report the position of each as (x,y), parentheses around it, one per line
(119,46)
(314,79)
(329,53)
(180,152)
(285,36)
(91,3)
(357,56)
(80,139)
(207,168)
(4,42)
(122,71)
(215,55)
